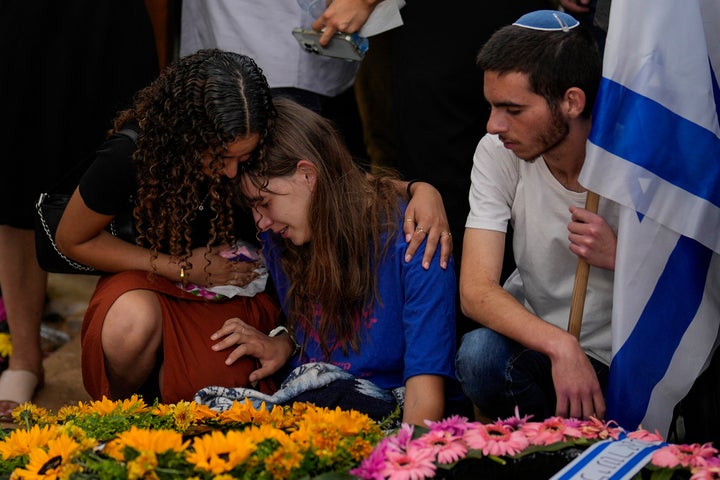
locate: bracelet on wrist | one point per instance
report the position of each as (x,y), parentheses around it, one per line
(282,329)
(409,187)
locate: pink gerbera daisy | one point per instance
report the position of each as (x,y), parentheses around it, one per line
(593,429)
(711,470)
(372,466)
(496,439)
(446,447)
(454,425)
(645,436)
(516,421)
(694,455)
(551,430)
(412,464)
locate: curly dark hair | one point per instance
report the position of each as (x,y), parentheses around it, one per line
(199,104)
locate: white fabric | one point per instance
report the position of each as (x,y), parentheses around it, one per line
(654,148)
(263,31)
(504,187)
(385,16)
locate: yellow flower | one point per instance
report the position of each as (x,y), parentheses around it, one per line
(143,466)
(134,404)
(143,440)
(30,414)
(284,460)
(6,349)
(68,412)
(245,412)
(257,434)
(330,432)
(360,449)
(218,453)
(22,442)
(185,414)
(55,463)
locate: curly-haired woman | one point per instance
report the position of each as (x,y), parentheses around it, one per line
(200,122)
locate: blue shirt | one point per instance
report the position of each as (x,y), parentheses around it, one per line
(410,331)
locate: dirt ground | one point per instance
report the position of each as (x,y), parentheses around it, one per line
(68,296)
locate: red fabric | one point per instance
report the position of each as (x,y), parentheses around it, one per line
(189,363)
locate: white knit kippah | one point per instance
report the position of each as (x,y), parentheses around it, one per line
(547,20)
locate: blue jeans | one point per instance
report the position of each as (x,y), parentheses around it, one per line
(497,374)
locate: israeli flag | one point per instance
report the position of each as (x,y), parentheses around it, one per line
(655,149)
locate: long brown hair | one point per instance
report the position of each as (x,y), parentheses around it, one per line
(349,217)
(201,103)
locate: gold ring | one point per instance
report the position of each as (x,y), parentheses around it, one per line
(412,220)
(443,234)
(420,230)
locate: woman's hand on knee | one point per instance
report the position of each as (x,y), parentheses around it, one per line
(271,352)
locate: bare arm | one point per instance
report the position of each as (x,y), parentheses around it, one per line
(424,399)
(485,301)
(81,236)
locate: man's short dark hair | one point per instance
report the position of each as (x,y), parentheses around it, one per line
(553,60)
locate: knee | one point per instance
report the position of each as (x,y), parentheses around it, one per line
(481,364)
(133,323)
(481,350)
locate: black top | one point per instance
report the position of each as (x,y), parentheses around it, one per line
(109,184)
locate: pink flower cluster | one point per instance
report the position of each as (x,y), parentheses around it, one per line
(413,455)
(701,460)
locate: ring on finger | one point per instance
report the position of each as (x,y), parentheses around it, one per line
(409,219)
(420,230)
(445,234)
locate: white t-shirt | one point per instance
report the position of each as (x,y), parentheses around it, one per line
(263,30)
(505,187)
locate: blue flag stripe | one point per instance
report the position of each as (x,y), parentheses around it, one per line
(642,131)
(644,357)
(585,460)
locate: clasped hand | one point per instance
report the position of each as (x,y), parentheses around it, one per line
(271,352)
(591,238)
(211,269)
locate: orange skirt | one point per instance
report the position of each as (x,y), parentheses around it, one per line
(189,363)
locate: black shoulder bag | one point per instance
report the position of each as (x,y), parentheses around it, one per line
(48,211)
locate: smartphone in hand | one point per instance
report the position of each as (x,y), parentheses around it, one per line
(342,45)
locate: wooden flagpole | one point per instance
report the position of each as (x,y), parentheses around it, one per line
(581,278)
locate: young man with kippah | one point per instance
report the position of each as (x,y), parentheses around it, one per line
(541,77)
